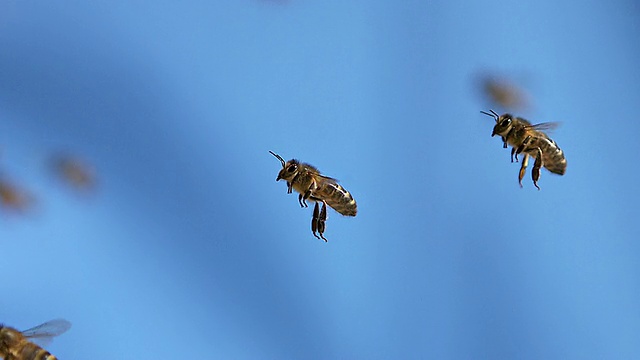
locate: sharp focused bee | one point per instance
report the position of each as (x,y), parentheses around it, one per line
(311,185)
(532,141)
(17,345)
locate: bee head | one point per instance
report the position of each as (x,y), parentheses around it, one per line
(503,123)
(289,171)
(289,168)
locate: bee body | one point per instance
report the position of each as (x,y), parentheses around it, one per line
(552,156)
(338,198)
(306,180)
(16,345)
(533,142)
(304,177)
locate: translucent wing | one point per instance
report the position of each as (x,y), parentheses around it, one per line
(43,333)
(327,178)
(546,126)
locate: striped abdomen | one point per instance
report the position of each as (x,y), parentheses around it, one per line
(552,156)
(13,345)
(31,351)
(337,197)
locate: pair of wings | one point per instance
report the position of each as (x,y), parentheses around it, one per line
(328,178)
(545,126)
(43,333)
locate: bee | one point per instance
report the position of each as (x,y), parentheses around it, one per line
(16,345)
(504,93)
(532,141)
(74,172)
(13,197)
(311,185)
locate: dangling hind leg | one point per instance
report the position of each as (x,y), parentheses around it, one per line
(535,172)
(523,168)
(322,220)
(318,220)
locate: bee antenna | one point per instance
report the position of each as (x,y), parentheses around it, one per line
(278,157)
(493,114)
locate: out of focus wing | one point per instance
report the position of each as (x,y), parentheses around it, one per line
(43,333)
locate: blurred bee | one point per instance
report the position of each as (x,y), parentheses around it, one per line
(532,141)
(73,172)
(13,197)
(311,185)
(504,93)
(17,345)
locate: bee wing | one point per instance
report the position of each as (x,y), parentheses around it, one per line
(328,178)
(43,333)
(546,126)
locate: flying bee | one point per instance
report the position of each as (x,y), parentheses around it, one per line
(311,185)
(532,141)
(13,197)
(17,345)
(504,93)
(73,172)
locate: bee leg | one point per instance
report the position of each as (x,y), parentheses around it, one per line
(535,172)
(513,152)
(523,146)
(307,194)
(314,220)
(303,198)
(523,168)
(289,187)
(317,224)
(504,142)
(322,219)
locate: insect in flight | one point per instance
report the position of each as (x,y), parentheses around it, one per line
(73,172)
(13,197)
(311,185)
(532,141)
(504,93)
(19,345)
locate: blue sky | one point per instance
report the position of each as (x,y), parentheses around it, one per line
(190,248)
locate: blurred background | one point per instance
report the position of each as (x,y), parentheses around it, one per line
(179,243)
